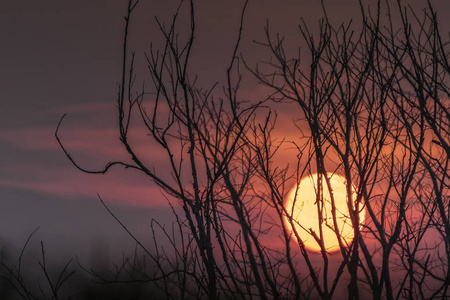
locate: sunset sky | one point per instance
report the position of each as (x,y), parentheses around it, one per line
(60,57)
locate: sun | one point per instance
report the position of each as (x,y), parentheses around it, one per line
(301,204)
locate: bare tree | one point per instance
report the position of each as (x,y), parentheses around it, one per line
(370,99)
(372,107)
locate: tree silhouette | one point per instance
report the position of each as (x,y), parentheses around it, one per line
(373,106)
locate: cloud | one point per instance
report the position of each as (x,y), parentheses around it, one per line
(98,142)
(50,172)
(92,147)
(120,187)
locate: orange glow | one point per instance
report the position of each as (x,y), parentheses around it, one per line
(305,214)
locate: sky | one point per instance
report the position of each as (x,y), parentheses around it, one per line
(59,57)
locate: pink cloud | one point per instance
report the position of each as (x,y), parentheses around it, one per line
(119,187)
(92,148)
(96,142)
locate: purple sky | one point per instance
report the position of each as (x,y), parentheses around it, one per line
(61,57)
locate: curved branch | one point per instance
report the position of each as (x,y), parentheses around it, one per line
(105,168)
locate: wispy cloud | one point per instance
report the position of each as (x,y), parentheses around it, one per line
(117,187)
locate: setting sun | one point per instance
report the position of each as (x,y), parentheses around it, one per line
(301,203)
